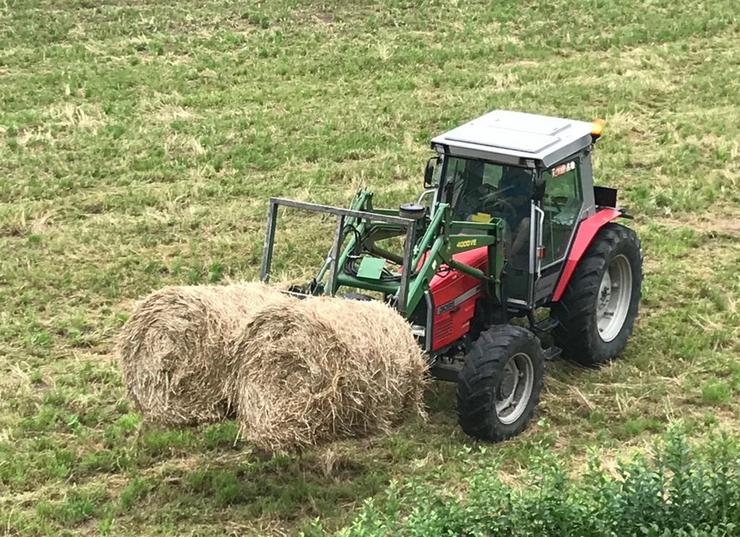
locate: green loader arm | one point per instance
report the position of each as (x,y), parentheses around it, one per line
(441,239)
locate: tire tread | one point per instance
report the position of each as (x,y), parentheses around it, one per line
(475,400)
(576,308)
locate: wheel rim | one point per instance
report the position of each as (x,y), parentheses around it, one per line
(515,389)
(613,300)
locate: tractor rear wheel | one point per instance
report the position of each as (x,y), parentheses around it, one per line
(598,309)
(500,383)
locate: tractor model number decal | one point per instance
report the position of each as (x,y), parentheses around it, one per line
(467,243)
(563,168)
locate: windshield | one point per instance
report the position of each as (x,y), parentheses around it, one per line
(481,190)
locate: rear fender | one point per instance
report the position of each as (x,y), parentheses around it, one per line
(585,234)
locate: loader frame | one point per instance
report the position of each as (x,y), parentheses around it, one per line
(428,245)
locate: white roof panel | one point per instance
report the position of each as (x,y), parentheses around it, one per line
(503,138)
(517,134)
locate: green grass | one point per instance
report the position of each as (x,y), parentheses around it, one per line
(676,489)
(140,141)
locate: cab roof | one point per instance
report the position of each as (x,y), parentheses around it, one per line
(516,138)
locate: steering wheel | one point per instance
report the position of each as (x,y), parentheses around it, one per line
(504,209)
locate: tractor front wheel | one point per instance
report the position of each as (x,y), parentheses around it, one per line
(500,383)
(600,304)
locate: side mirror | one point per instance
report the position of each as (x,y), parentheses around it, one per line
(429,172)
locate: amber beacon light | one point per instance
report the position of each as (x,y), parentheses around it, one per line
(597,127)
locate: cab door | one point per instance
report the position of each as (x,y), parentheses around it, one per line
(557,216)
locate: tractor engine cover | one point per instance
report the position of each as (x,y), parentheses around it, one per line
(455,295)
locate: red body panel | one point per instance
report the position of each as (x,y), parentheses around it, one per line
(585,233)
(455,294)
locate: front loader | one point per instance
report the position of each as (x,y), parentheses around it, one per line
(509,257)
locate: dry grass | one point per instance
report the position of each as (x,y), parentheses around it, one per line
(324,369)
(173,350)
(298,373)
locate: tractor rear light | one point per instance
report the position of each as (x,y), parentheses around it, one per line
(540,252)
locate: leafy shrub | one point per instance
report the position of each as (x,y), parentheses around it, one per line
(680,490)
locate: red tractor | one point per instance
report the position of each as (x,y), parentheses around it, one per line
(509,257)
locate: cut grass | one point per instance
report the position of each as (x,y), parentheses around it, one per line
(139,144)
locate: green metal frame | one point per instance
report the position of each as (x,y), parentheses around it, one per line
(441,238)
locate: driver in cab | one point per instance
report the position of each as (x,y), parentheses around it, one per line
(478,200)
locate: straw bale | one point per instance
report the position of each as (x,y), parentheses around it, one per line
(173,350)
(325,369)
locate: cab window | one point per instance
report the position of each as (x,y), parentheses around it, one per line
(471,180)
(483,189)
(561,203)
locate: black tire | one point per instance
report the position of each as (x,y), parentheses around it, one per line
(480,383)
(578,330)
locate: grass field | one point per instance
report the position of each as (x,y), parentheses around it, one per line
(140,140)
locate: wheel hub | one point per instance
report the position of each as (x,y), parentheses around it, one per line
(613,300)
(605,293)
(515,388)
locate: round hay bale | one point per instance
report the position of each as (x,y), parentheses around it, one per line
(173,350)
(325,369)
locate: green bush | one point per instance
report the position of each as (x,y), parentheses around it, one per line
(679,490)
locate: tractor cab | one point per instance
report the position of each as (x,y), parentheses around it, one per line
(532,172)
